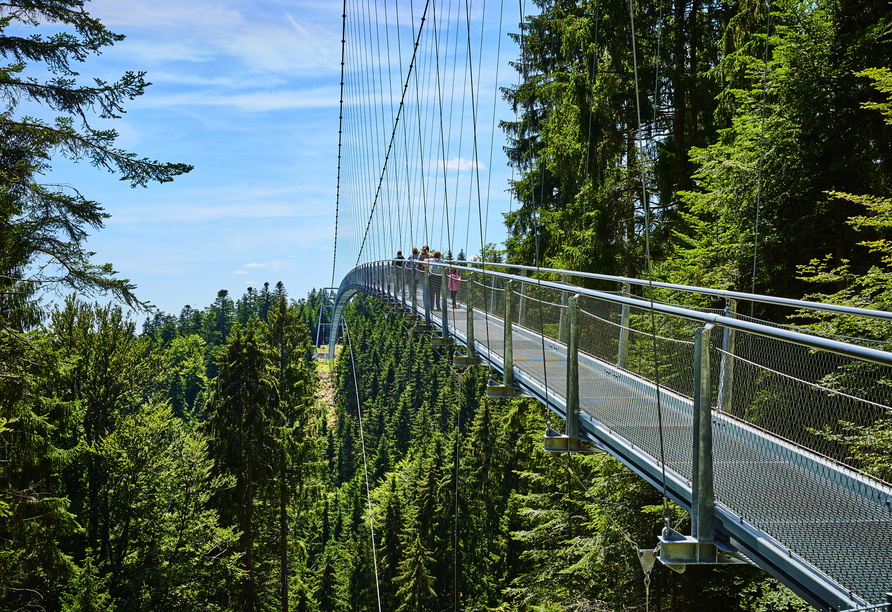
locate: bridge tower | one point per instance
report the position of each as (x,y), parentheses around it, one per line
(323,324)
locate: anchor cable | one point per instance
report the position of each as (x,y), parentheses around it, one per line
(653,325)
(761,149)
(364,461)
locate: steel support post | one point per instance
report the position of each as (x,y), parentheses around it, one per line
(444,303)
(522,311)
(444,339)
(562,325)
(570,441)
(622,357)
(414,293)
(509,341)
(403,287)
(573,368)
(703,502)
(726,368)
(470,358)
(427,297)
(469,309)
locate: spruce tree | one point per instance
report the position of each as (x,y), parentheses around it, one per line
(243,432)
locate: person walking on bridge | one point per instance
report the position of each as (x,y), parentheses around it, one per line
(454,283)
(410,262)
(436,280)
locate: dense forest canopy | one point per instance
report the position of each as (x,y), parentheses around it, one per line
(725,138)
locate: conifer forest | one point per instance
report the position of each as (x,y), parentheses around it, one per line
(206,460)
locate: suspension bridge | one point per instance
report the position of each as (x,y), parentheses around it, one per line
(742,418)
(742,422)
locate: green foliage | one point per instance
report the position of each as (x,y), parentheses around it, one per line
(168,550)
(44,226)
(89,592)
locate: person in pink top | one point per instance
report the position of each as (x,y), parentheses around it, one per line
(454,280)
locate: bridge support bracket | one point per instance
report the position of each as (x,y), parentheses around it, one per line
(494,389)
(441,341)
(558,443)
(677,551)
(465,360)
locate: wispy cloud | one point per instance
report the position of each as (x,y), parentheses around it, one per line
(255,265)
(250,282)
(254,35)
(240,272)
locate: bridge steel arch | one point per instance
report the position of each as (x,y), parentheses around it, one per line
(807,516)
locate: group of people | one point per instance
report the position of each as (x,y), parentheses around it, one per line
(418,260)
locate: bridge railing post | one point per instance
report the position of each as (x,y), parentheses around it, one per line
(522,311)
(403,288)
(508,339)
(469,358)
(444,303)
(726,368)
(573,368)
(703,495)
(562,325)
(391,281)
(414,292)
(427,296)
(469,332)
(622,355)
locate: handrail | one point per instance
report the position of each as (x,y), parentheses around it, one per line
(722,293)
(778,333)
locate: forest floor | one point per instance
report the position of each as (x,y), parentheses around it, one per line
(325,390)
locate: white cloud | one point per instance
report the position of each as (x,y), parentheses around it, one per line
(255,265)
(257,35)
(460,163)
(250,282)
(240,272)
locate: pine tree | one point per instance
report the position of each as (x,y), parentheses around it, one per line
(243,432)
(415,591)
(89,592)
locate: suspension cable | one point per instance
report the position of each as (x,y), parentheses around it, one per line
(544,164)
(761,149)
(334,257)
(393,134)
(647,260)
(364,462)
(588,149)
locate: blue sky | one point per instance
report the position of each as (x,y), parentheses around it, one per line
(248,92)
